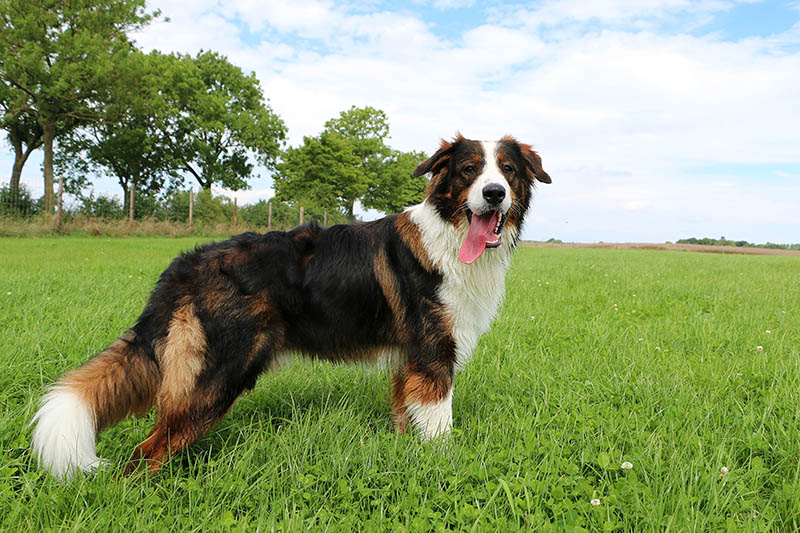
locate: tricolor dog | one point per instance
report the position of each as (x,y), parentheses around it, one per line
(423,285)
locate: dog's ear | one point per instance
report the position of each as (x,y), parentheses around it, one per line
(533,164)
(441,158)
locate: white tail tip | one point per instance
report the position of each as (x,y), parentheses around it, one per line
(63,440)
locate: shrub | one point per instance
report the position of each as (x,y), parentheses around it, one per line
(19,205)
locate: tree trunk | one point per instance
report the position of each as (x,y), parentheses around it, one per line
(48,137)
(350,206)
(16,170)
(16,175)
(20,157)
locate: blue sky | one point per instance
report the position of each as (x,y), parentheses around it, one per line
(657,119)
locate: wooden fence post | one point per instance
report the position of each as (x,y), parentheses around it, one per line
(60,214)
(301,215)
(131,195)
(325,219)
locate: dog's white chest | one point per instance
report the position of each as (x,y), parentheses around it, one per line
(473,299)
(472,293)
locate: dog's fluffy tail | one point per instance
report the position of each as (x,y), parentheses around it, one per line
(119,381)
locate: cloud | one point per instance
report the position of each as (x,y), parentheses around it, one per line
(248,196)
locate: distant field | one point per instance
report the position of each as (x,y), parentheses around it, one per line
(599,357)
(668,247)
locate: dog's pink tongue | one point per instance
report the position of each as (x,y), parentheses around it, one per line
(481,231)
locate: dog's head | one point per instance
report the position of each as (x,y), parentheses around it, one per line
(486,185)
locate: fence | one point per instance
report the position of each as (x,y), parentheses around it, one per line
(182,210)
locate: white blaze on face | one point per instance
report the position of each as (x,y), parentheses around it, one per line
(490,174)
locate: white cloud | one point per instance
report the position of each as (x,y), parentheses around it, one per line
(452,4)
(243,197)
(555,12)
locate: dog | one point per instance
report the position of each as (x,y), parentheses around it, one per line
(423,285)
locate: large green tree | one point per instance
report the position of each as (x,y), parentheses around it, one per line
(57,55)
(350,161)
(128,141)
(322,172)
(396,186)
(218,122)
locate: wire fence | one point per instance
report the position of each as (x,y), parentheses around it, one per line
(183,210)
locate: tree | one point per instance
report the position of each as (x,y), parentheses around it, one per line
(366,129)
(217,121)
(348,161)
(396,186)
(127,140)
(57,56)
(24,133)
(323,172)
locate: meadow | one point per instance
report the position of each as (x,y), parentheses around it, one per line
(683,367)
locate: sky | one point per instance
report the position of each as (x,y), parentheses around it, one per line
(656,119)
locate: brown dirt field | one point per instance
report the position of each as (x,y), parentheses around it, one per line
(669,247)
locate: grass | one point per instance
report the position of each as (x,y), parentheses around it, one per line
(598,357)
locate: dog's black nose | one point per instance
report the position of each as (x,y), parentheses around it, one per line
(494,193)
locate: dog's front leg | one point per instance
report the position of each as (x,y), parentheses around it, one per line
(423,396)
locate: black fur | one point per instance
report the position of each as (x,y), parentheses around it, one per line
(319,284)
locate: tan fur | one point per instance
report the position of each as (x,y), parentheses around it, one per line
(181,357)
(114,385)
(412,386)
(411,236)
(388,282)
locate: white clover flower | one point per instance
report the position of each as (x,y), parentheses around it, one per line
(626,465)
(723,471)
(768,332)
(595,502)
(759,348)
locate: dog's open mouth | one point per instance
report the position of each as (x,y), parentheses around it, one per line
(484,232)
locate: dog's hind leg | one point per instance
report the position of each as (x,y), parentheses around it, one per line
(176,428)
(204,370)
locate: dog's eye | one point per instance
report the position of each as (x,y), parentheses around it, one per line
(508,168)
(469,169)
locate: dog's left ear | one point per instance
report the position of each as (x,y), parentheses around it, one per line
(533,164)
(435,162)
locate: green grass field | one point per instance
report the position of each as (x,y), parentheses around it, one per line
(598,357)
